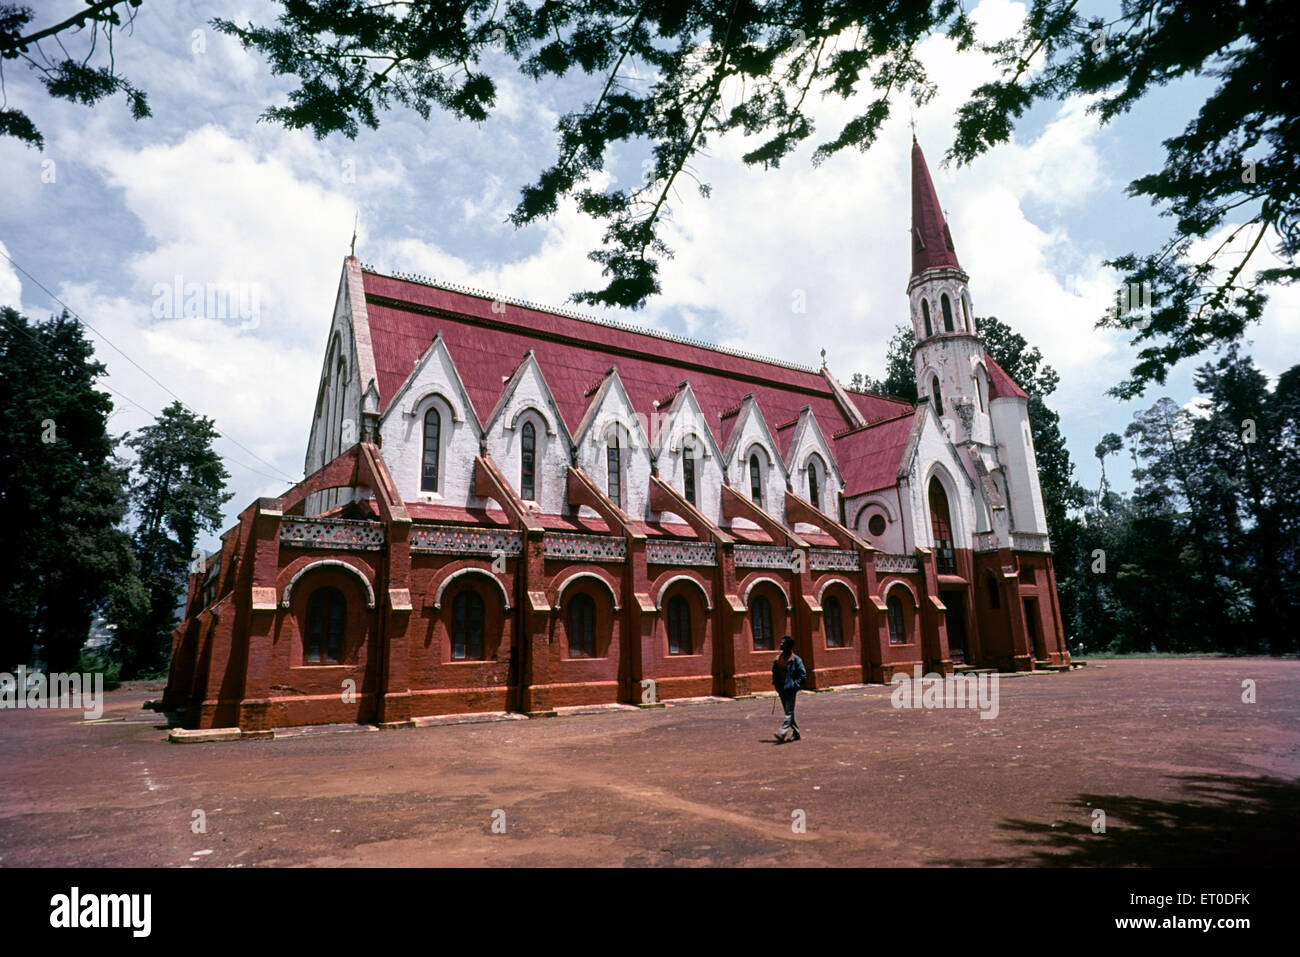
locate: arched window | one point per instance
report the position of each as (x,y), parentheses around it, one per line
(965,314)
(467,626)
(760,623)
(991,584)
(755,481)
(527,463)
(325,614)
(895,613)
(934,394)
(941,529)
(582,627)
(614,468)
(947,312)
(981,384)
(339,386)
(679,626)
(813,491)
(925,314)
(688,472)
(432,439)
(834,622)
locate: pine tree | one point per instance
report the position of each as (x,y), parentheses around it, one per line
(177,493)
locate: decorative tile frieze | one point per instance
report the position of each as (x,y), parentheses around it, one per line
(833,559)
(896,563)
(577,547)
(659,551)
(462,540)
(339,533)
(764,556)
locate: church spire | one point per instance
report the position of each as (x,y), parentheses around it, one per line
(931,242)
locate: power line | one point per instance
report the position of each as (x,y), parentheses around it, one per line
(283,475)
(142,408)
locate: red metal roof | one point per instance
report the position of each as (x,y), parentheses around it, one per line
(1002,385)
(931,241)
(572,352)
(869,457)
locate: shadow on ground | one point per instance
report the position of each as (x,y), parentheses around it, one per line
(1224,821)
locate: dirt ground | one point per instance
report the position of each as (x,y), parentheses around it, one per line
(1185,772)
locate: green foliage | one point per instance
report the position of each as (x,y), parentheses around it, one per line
(63,75)
(177,493)
(62,490)
(1202,555)
(90,663)
(661,70)
(900,379)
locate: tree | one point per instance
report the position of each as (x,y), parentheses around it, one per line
(1110,444)
(900,377)
(1210,528)
(178,492)
(62,492)
(672,75)
(63,75)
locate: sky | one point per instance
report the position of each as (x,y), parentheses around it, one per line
(115,213)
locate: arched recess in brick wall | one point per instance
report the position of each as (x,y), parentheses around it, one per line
(902,613)
(678,579)
(830,582)
(477,573)
(785,598)
(586,575)
(329,563)
(839,621)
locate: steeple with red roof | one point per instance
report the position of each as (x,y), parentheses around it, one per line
(932,246)
(949,359)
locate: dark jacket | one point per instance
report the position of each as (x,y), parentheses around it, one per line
(794,675)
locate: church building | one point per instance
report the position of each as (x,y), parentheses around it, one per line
(515,508)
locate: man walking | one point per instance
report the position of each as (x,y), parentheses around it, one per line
(788,676)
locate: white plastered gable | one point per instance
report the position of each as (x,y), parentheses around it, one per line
(608,414)
(680,425)
(749,435)
(807,442)
(433,385)
(528,399)
(929,455)
(336,417)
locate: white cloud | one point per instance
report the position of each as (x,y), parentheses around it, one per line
(11,289)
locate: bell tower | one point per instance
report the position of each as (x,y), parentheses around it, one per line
(948,359)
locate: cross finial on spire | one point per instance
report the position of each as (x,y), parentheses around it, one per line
(355,219)
(912,123)
(823,358)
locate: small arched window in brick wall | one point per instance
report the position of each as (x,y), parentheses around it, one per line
(582,626)
(326,612)
(467,626)
(833,621)
(897,630)
(760,624)
(679,626)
